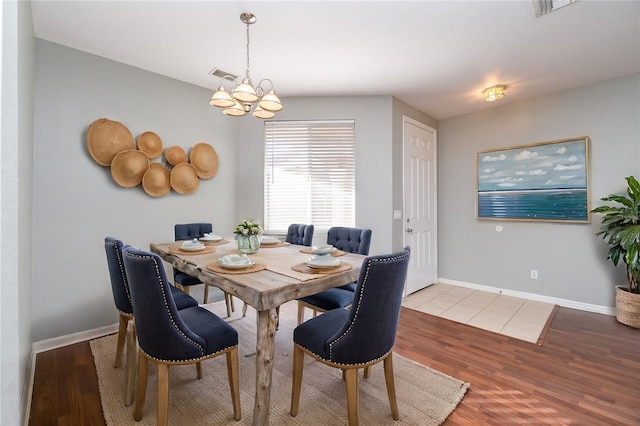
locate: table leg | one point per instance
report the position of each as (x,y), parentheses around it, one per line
(265,349)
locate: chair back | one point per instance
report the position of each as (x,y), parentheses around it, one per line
(370,329)
(119,284)
(162,334)
(352,240)
(189,231)
(299,233)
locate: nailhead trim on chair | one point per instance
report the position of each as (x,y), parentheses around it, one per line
(124,275)
(357,305)
(164,298)
(190,360)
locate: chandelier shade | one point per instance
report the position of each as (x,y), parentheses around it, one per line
(242,98)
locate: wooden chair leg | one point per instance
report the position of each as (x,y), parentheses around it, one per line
(391,387)
(184,288)
(228,302)
(234,382)
(131,362)
(300,313)
(367,372)
(122,332)
(233,305)
(163,394)
(143,371)
(298,364)
(199,370)
(352,395)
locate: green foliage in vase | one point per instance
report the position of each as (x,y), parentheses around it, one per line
(248,227)
(621,229)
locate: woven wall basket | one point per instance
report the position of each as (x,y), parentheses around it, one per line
(627,307)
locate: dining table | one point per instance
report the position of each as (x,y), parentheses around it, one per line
(279,274)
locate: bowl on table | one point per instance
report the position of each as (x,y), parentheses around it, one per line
(235,261)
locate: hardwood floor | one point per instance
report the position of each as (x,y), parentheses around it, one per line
(587,372)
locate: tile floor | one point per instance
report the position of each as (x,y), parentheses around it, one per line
(519,318)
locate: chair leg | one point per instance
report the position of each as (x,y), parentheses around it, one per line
(391,387)
(300,313)
(163,394)
(122,332)
(367,372)
(143,371)
(352,395)
(131,362)
(234,382)
(228,302)
(199,370)
(298,364)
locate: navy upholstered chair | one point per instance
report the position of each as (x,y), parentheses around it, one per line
(168,336)
(351,240)
(122,298)
(358,337)
(300,234)
(189,231)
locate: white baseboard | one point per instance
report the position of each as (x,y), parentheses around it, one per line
(70,339)
(606,310)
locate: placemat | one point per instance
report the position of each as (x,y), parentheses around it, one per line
(215,267)
(302,267)
(178,250)
(214,243)
(280,244)
(334,254)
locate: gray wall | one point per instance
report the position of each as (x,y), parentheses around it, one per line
(76,201)
(16,91)
(570,260)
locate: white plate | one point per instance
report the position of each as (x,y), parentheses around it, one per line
(269,240)
(323,265)
(211,238)
(193,247)
(235,265)
(323,249)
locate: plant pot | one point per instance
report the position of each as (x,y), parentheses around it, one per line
(627,307)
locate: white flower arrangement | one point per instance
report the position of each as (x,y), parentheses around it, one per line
(248,227)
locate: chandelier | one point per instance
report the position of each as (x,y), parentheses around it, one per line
(242,98)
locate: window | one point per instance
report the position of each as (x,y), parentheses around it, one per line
(309,174)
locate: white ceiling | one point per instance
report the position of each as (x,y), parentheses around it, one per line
(434,55)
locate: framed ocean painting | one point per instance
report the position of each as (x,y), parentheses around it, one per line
(547,181)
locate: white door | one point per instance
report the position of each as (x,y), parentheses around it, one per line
(420,203)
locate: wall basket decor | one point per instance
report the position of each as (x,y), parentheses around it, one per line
(111,144)
(547,181)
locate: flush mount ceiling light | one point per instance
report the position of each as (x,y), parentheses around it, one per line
(242,98)
(494,93)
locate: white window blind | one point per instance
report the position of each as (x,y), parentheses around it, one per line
(309,174)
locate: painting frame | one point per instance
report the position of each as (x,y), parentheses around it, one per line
(544,181)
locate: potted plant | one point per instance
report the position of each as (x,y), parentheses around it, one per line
(621,229)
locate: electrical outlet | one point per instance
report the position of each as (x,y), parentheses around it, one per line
(534,274)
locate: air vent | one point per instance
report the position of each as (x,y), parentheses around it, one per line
(542,7)
(220,73)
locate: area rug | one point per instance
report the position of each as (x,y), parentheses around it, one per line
(425,396)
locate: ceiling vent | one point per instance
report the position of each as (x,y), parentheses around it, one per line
(542,7)
(219,73)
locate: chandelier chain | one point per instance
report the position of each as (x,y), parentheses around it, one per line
(248,50)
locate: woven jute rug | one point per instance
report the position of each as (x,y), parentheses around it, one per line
(425,396)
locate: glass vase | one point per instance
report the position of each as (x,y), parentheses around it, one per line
(248,244)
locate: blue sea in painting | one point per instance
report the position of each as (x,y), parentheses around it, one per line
(557,204)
